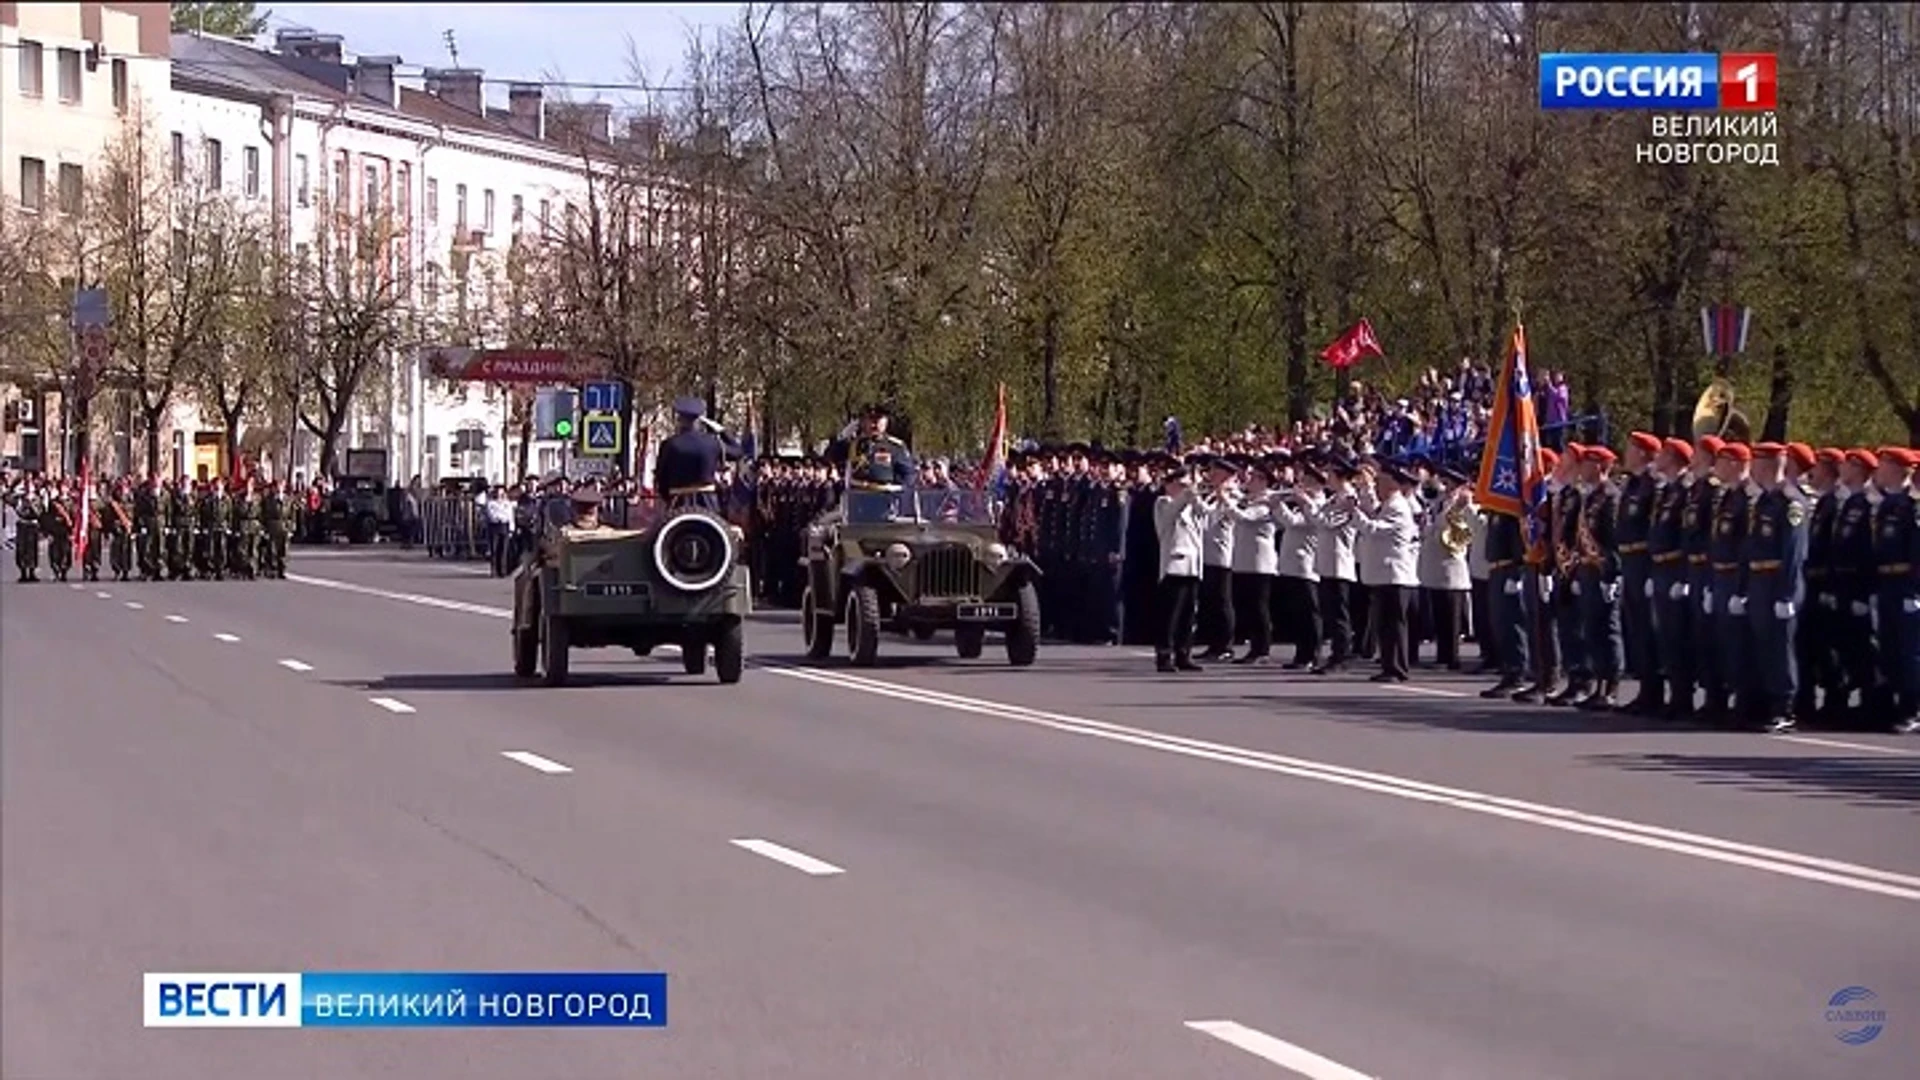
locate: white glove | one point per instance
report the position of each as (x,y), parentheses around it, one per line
(1829,601)
(1546,590)
(1860,608)
(1736,606)
(852,429)
(1706,600)
(1911,605)
(1783,609)
(1649,588)
(1512,587)
(1610,592)
(1576,587)
(1679,591)
(712,425)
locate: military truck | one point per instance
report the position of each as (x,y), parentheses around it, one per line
(361,505)
(917,562)
(679,580)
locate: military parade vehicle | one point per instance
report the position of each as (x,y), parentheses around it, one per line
(679,579)
(916,562)
(361,506)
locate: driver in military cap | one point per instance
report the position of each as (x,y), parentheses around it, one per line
(586,509)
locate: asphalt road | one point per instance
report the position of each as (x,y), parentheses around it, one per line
(1078,870)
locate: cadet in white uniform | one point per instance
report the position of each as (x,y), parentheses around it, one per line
(1297,510)
(1216,581)
(1179,520)
(1389,559)
(1444,575)
(1335,565)
(1255,561)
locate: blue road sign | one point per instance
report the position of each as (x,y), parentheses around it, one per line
(603,397)
(601,434)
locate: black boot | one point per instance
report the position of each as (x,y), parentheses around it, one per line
(1184,662)
(1604,698)
(1163,663)
(1504,688)
(1539,693)
(1576,689)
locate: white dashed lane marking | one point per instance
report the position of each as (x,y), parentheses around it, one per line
(296,665)
(176,618)
(786,856)
(228,638)
(393,705)
(1295,1059)
(534,761)
(104,595)
(135,605)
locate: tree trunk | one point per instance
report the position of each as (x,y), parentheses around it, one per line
(1666,409)
(1050,370)
(150,418)
(231,437)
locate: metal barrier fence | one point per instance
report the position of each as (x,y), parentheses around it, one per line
(455,526)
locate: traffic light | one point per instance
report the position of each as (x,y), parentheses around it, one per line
(553,412)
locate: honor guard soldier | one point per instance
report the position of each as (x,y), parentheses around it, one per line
(687,470)
(1855,577)
(1596,583)
(1671,693)
(1633,526)
(1817,471)
(1727,597)
(120,529)
(1896,556)
(182,538)
(1697,526)
(149,509)
(57,523)
(1567,526)
(1506,602)
(1775,548)
(1538,596)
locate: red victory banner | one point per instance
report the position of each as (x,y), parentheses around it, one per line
(1358,342)
(503,365)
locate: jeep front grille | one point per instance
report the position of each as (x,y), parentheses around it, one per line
(948,571)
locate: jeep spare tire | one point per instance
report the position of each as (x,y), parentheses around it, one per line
(693,552)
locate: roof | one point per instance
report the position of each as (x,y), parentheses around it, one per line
(234,66)
(421,105)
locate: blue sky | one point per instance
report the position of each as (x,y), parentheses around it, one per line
(585,43)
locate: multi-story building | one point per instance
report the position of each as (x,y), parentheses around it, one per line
(71,78)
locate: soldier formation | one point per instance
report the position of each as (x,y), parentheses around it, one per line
(157,530)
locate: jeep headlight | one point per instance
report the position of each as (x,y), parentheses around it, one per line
(996,554)
(898,556)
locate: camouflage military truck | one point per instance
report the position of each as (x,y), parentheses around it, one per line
(916,562)
(680,580)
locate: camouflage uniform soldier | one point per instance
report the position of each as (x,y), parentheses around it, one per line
(182,544)
(275,524)
(246,532)
(57,523)
(215,515)
(119,533)
(149,528)
(28,509)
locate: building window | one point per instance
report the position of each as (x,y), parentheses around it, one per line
(33,184)
(250,162)
(486,208)
(179,158)
(460,207)
(214,154)
(432,208)
(432,286)
(519,212)
(120,85)
(403,191)
(342,184)
(73,189)
(68,61)
(304,191)
(32,68)
(546,216)
(370,178)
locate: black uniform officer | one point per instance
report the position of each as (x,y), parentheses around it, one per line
(1597,579)
(1726,601)
(1697,528)
(1776,543)
(687,468)
(1813,640)
(1565,604)
(1896,556)
(1673,606)
(1633,524)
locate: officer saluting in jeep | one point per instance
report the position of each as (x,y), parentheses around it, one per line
(873,459)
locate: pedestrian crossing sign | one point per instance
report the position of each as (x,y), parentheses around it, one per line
(600,434)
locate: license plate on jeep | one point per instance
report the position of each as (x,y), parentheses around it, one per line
(614,588)
(983,612)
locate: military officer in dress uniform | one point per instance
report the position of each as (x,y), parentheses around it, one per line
(1812,639)
(1697,527)
(687,469)
(1633,524)
(1673,609)
(1855,579)
(1537,598)
(1596,582)
(1726,601)
(875,460)
(1775,548)
(1506,602)
(1896,556)
(1565,602)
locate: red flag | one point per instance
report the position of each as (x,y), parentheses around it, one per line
(86,513)
(996,459)
(1358,342)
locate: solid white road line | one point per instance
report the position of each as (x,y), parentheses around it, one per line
(296,665)
(1294,1059)
(534,761)
(135,605)
(1429,691)
(1841,744)
(394,705)
(799,860)
(1696,845)
(228,638)
(104,595)
(176,618)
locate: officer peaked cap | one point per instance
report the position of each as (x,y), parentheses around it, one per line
(691,407)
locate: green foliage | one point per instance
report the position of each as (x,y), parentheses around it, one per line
(236,20)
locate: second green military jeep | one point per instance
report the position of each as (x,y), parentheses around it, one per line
(916,562)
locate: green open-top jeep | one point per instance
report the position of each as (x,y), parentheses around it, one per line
(917,562)
(678,581)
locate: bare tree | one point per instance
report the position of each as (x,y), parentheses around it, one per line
(353,315)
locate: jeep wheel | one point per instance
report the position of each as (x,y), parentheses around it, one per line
(863,625)
(969,642)
(554,644)
(730,652)
(816,628)
(526,653)
(693,657)
(1023,635)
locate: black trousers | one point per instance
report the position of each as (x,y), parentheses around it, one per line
(1216,609)
(1484,635)
(1334,618)
(1175,598)
(1392,604)
(1447,610)
(1300,599)
(1360,609)
(1253,606)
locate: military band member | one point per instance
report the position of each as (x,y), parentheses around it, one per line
(1896,556)
(1565,602)
(1335,565)
(1446,534)
(1727,597)
(1633,525)
(1297,587)
(1673,608)
(1256,559)
(1775,548)
(1537,598)
(1217,615)
(1596,583)
(1389,558)
(1708,674)
(1180,522)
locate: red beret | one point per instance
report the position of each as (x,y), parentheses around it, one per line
(1768,449)
(1598,453)
(1832,455)
(1801,454)
(1679,448)
(1865,458)
(1548,458)
(1646,441)
(1900,456)
(1712,443)
(1735,451)
(1575,449)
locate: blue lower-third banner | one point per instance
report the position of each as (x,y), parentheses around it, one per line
(367,999)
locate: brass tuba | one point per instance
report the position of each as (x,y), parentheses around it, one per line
(1714,414)
(1456,528)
